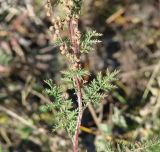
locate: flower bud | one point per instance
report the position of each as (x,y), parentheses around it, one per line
(68,18)
(65,47)
(70,3)
(56,26)
(58,18)
(51,28)
(77,16)
(57,32)
(54,37)
(63,52)
(46,6)
(48,14)
(74,22)
(53,20)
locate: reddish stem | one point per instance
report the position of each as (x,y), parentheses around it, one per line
(78,84)
(80,113)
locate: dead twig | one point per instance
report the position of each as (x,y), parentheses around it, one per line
(115,15)
(134,72)
(156,70)
(22,120)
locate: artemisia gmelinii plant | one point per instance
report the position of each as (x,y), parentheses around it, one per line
(72,47)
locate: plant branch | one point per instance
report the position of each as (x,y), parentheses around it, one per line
(79,118)
(78,83)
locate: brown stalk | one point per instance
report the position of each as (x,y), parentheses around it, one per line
(78,83)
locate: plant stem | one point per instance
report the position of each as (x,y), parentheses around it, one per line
(79,118)
(78,83)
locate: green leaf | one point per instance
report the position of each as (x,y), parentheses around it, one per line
(59,41)
(24,132)
(94,91)
(5,59)
(87,41)
(69,75)
(120,98)
(65,116)
(105,128)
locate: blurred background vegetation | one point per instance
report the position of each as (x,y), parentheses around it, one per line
(28,56)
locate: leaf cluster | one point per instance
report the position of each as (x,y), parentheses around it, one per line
(88,40)
(151,145)
(69,75)
(65,116)
(60,42)
(5,59)
(94,91)
(76,6)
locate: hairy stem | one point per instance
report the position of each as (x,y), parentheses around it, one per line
(79,118)
(78,82)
